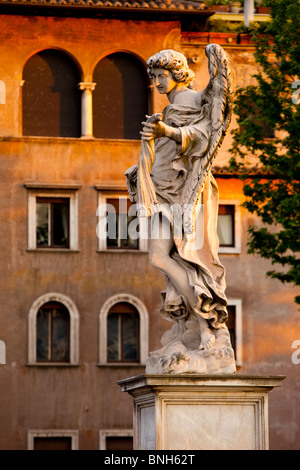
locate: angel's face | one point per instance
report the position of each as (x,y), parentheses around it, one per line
(163,80)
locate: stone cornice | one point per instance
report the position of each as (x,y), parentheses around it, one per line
(226,172)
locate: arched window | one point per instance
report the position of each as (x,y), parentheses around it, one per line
(120,99)
(53,331)
(123,333)
(51,98)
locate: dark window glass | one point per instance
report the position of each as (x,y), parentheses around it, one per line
(267,131)
(231,325)
(123,333)
(52,222)
(51,98)
(52,443)
(118,225)
(120,99)
(52,333)
(226,225)
(119,443)
(252,113)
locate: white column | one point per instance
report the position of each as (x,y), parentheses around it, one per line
(2,353)
(87,108)
(2,92)
(248,11)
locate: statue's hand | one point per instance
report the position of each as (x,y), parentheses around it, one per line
(153,130)
(155,117)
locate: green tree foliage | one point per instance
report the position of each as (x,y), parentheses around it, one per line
(272,105)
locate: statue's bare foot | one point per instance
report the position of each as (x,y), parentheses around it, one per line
(207,340)
(207,337)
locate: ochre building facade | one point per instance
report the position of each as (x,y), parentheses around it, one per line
(66,294)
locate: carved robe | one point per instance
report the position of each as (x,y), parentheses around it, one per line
(166,173)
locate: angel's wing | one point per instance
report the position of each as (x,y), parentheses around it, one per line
(219,94)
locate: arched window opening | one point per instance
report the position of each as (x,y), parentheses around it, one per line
(123,333)
(120,99)
(51,97)
(53,333)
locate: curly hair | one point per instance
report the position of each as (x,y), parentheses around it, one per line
(173,61)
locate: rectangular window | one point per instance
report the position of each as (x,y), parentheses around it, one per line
(52,222)
(119,220)
(52,439)
(226,225)
(229,226)
(52,443)
(252,113)
(119,443)
(52,218)
(119,226)
(122,338)
(267,131)
(116,439)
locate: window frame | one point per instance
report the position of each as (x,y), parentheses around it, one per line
(51,201)
(73,434)
(259,121)
(52,192)
(104,433)
(121,319)
(73,330)
(236,248)
(103,196)
(143,333)
(52,320)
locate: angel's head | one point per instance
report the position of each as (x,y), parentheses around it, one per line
(174,63)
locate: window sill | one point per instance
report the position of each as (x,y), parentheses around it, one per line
(42,186)
(52,364)
(52,250)
(82,139)
(121,250)
(121,364)
(269,139)
(229,251)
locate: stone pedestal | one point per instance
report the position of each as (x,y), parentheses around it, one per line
(200,412)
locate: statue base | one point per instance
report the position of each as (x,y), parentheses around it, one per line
(200,412)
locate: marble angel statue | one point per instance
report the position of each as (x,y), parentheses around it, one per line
(173,186)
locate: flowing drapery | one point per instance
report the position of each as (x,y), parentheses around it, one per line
(162,180)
